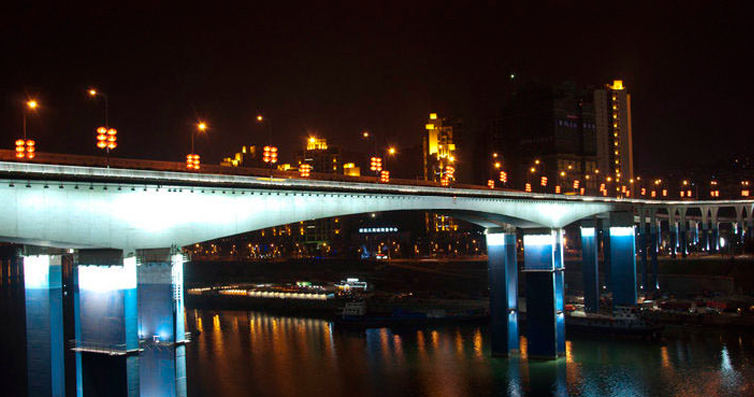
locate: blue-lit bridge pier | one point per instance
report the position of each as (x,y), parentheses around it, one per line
(122,229)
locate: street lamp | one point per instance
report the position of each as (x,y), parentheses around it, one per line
(192,159)
(98,94)
(26,147)
(270,154)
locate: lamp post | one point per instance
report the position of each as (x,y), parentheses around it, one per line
(270,154)
(26,147)
(106,136)
(192,159)
(98,94)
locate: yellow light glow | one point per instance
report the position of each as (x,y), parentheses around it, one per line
(312,139)
(93,92)
(617,85)
(260,118)
(497,164)
(430,126)
(201,126)
(494,155)
(365,134)
(391,150)
(536,161)
(32,104)
(562,173)
(533,170)
(433,116)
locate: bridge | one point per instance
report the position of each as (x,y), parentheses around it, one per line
(124,227)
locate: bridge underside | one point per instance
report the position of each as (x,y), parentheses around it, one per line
(130,216)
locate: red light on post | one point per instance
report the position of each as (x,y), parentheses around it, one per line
(305,170)
(270,154)
(192,161)
(25,148)
(385,176)
(527,187)
(557,189)
(376,164)
(491,183)
(503,176)
(576,185)
(543,181)
(107,138)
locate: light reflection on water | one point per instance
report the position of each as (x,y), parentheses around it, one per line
(251,353)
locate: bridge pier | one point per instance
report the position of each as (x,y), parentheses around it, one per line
(683,235)
(106,317)
(672,232)
(623,258)
(654,284)
(590,266)
(43,296)
(643,249)
(715,230)
(162,330)
(503,278)
(543,268)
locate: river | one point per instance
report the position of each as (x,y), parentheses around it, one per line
(242,353)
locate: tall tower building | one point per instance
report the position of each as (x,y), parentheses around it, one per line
(439,154)
(615,157)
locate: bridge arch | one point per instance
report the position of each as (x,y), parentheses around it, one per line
(111,215)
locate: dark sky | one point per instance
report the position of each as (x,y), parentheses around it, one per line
(333,70)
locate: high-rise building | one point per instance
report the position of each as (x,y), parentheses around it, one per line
(612,108)
(439,151)
(544,141)
(249,156)
(322,158)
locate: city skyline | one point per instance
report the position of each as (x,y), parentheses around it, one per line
(227,73)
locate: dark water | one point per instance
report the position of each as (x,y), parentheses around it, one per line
(256,354)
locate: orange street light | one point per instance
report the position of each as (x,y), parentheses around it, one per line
(26,147)
(94,94)
(391,151)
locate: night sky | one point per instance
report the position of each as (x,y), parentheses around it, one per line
(335,70)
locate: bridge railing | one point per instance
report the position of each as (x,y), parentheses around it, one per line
(174,166)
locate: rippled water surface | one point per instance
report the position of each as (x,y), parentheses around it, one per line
(256,354)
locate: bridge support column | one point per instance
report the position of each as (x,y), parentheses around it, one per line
(643,249)
(543,267)
(683,234)
(623,253)
(589,266)
(654,284)
(162,332)
(105,305)
(714,231)
(45,342)
(739,225)
(605,227)
(672,232)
